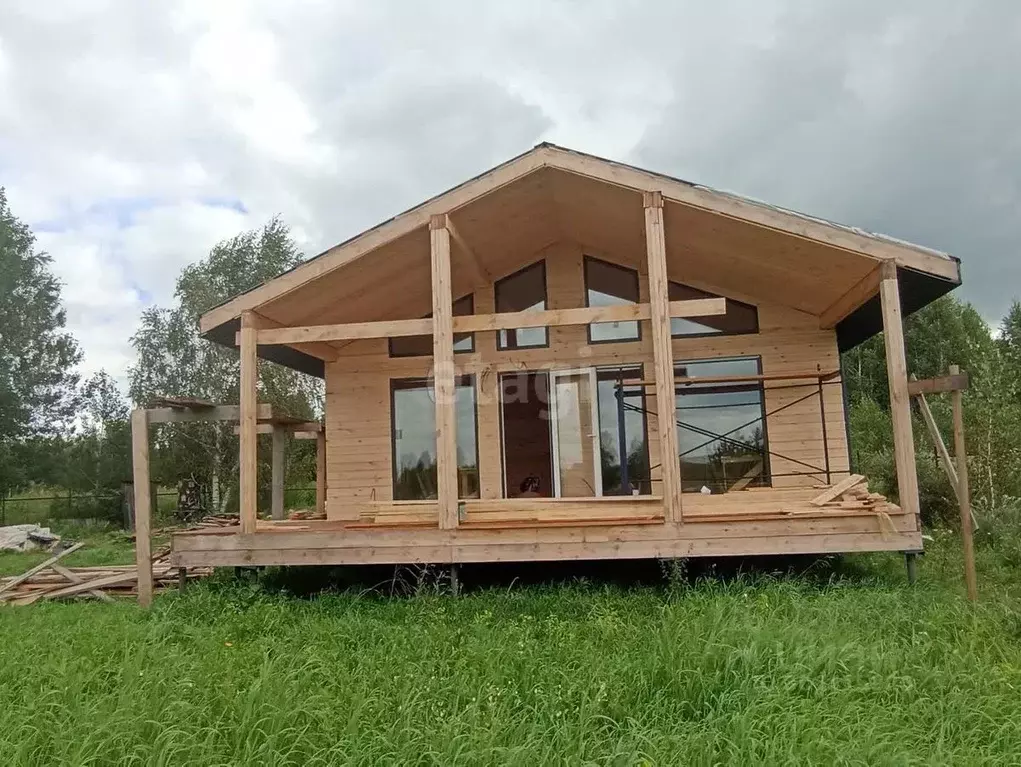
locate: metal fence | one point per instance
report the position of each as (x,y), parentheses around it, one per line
(109,508)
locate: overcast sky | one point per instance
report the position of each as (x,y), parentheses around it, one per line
(133,136)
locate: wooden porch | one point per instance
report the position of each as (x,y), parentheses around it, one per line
(758,521)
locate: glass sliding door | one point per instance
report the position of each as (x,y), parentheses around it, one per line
(574,417)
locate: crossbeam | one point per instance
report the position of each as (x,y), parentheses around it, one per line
(957,382)
(700,307)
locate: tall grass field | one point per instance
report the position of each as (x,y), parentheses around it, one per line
(847,665)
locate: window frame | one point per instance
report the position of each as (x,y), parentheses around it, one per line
(414,382)
(586,259)
(639,369)
(470,297)
(545,300)
(710,294)
(730,387)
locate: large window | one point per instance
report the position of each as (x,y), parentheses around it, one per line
(610,285)
(522,291)
(611,411)
(740,317)
(721,429)
(413,425)
(422,346)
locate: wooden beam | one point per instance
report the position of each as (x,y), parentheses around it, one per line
(278,467)
(479,272)
(900,402)
(443,373)
(321,472)
(143,504)
(319,350)
(306,430)
(9,585)
(963,491)
(248,455)
(938,385)
(865,289)
(217,413)
(699,307)
(937,441)
(662,351)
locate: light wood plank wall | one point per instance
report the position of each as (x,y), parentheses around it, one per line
(359,454)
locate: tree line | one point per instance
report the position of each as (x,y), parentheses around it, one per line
(60,430)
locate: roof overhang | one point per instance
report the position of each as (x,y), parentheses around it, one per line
(741,246)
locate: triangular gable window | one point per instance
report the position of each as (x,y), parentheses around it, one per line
(740,317)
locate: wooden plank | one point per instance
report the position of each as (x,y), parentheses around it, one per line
(900,401)
(216,413)
(322,351)
(39,568)
(248,457)
(321,472)
(306,430)
(662,355)
(75,578)
(278,463)
(938,385)
(143,504)
(444,373)
(837,490)
(794,376)
(938,443)
(964,491)
(853,299)
(473,323)
(91,584)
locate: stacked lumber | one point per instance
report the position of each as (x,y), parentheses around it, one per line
(50,580)
(306,514)
(851,493)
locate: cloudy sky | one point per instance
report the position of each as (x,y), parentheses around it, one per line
(133,136)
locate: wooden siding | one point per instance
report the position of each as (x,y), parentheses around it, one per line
(359,452)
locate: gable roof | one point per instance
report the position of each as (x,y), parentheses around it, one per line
(932,273)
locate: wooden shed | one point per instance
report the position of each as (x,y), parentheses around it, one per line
(572,358)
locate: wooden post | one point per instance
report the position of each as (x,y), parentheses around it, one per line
(248,455)
(143,503)
(321,471)
(663,358)
(900,401)
(279,463)
(963,491)
(443,373)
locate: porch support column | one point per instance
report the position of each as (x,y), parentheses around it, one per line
(279,465)
(663,357)
(247,456)
(900,400)
(443,373)
(143,503)
(321,471)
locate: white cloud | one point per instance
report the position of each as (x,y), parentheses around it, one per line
(127,131)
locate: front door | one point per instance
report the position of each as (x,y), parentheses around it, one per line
(574,420)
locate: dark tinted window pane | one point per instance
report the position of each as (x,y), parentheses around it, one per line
(523,291)
(414,440)
(610,285)
(635,436)
(422,346)
(740,317)
(721,431)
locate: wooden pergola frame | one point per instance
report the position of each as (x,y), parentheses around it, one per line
(185,410)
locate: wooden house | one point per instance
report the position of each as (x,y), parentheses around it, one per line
(572,358)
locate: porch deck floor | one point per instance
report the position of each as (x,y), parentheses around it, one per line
(758,522)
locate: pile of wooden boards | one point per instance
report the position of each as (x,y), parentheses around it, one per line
(849,494)
(51,580)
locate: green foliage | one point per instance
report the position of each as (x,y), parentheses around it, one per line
(37,356)
(173,360)
(852,667)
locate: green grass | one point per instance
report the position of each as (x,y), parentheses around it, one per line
(853,668)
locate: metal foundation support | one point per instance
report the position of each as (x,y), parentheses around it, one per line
(911,562)
(182,578)
(455,580)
